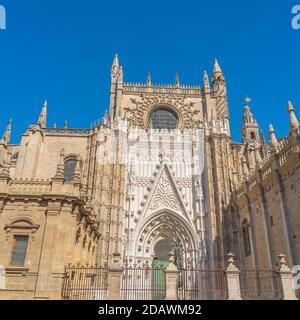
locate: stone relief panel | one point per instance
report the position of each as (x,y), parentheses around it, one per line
(164,196)
(139,108)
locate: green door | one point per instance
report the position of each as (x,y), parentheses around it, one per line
(158,286)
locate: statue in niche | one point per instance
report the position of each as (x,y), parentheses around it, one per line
(178,254)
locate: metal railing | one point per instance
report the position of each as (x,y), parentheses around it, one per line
(143,283)
(85,283)
(260,285)
(201,284)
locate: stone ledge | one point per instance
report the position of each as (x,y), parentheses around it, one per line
(16,270)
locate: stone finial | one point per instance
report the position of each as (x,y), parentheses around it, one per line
(177,80)
(115,66)
(66,124)
(116,258)
(206,82)
(294,123)
(116,60)
(42,121)
(7,133)
(106,118)
(248,117)
(171,256)
(149,83)
(217,68)
(272,138)
(282,262)
(231,260)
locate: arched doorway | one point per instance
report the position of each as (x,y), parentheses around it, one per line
(159,264)
(169,226)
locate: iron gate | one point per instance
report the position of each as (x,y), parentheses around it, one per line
(85,283)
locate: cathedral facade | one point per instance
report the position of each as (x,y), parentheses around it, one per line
(159,174)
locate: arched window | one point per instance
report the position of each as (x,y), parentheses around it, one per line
(252,135)
(163,118)
(246,238)
(69,169)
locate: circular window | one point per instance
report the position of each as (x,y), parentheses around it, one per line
(163,118)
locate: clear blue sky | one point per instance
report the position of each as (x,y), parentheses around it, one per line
(62,51)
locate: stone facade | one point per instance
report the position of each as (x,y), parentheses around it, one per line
(132,182)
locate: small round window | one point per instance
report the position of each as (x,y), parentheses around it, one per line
(163,118)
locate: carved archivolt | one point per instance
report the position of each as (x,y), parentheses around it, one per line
(164,224)
(140,109)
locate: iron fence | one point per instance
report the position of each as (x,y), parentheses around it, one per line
(143,283)
(260,285)
(149,283)
(85,283)
(201,284)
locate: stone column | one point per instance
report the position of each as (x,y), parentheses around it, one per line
(115,273)
(286,279)
(233,279)
(171,279)
(46,255)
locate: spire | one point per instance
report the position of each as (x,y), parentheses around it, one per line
(272,138)
(250,128)
(217,71)
(7,133)
(217,68)
(206,82)
(116,60)
(149,83)
(115,66)
(106,118)
(218,80)
(66,124)
(43,116)
(294,123)
(248,117)
(177,80)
